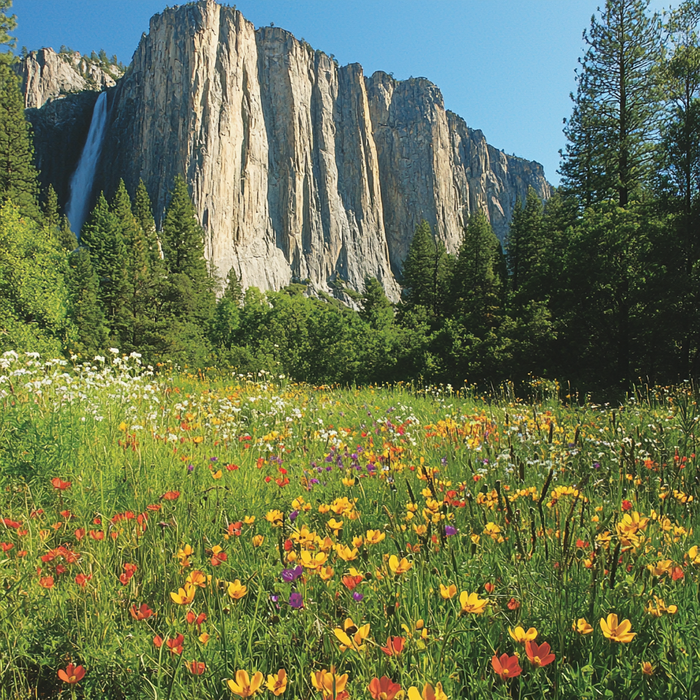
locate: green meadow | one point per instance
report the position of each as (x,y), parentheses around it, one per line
(174,536)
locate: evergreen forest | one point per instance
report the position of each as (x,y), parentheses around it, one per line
(594,291)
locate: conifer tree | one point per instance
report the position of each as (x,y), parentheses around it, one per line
(524,244)
(143,211)
(18,176)
(189,290)
(66,238)
(610,148)
(376,310)
(90,326)
(102,234)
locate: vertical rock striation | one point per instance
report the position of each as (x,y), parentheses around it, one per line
(299,169)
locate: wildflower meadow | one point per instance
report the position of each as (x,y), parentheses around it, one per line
(221,536)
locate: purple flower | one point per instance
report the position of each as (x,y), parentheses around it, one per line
(274,598)
(296,600)
(213,459)
(314,481)
(357,597)
(190,468)
(449,530)
(443,461)
(293,516)
(289,575)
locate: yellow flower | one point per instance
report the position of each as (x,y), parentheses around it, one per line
(448,592)
(521,636)
(471,603)
(330,685)
(660,608)
(420,530)
(204,637)
(277,682)
(217,475)
(185,553)
(358,541)
(326,573)
(429,693)
(274,517)
(244,686)
(197,578)
(309,560)
(647,668)
(351,636)
(399,567)
(184,596)
(258,540)
(249,519)
(660,568)
(581,626)
(346,553)
(617,632)
(348,481)
(335,525)
(374,536)
(236,590)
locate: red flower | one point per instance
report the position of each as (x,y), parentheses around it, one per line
(158,641)
(196,668)
(383,688)
(351,582)
(506,666)
(490,587)
(80,533)
(676,573)
(46,582)
(394,646)
(171,495)
(97,534)
(61,486)
(72,674)
(153,506)
(176,645)
(626,505)
(143,612)
(6,546)
(82,579)
(513,604)
(538,655)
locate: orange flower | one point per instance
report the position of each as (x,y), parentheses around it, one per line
(244,686)
(82,579)
(61,485)
(647,668)
(46,582)
(538,655)
(218,555)
(383,688)
(141,613)
(394,646)
(72,674)
(617,632)
(490,587)
(277,682)
(196,668)
(351,582)
(506,666)
(176,645)
(171,495)
(513,604)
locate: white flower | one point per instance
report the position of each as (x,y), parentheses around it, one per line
(114,351)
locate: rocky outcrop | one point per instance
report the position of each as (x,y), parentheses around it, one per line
(299,169)
(47,75)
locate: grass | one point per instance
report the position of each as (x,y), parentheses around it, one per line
(162,533)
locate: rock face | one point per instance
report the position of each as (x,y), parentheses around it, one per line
(299,169)
(47,75)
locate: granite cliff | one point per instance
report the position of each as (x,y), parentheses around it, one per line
(299,168)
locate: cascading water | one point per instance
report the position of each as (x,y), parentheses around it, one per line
(81,182)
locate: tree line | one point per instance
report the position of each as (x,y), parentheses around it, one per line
(598,287)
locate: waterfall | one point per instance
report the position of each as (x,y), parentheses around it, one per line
(81,182)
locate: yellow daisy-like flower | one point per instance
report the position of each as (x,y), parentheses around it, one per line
(184,596)
(448,592)
(374,536)
(521,636)
(581,626)
(399,567)
(236,590)
(244,686)
(617,632)
(471,603)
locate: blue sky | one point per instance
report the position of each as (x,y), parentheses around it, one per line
(505,66)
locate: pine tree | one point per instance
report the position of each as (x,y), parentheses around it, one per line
(7,24)
(102,234)
(377,310)
(66,238)
(610,148)
(424,272)
(18,176)
(190,301)
(143,211)
(233,291)
(524,244)
(90,326)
